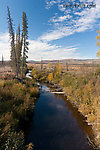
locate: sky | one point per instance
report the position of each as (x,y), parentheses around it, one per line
(56,28)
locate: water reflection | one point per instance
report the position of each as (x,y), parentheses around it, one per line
(56,125)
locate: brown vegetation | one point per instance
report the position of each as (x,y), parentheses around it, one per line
(16,105)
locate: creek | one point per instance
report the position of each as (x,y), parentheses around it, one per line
(57,125)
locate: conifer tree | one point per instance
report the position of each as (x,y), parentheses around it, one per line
(2,60)
(19,41)
(12,39)
(18,57)
(25,42)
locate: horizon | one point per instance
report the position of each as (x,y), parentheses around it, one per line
(57,59)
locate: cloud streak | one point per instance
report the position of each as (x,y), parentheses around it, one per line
(38,49)
(57,34)
(73,19)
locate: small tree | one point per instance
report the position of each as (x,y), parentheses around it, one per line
(98,54)
(57,69)
(50,77)
(98,43)
(41,63)
(2,60)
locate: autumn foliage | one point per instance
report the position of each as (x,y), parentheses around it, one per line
(16,105)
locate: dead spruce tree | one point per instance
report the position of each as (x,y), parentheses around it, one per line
(25,43)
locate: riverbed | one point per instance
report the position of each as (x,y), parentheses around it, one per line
(57,125)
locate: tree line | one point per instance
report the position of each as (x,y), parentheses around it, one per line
(19,45)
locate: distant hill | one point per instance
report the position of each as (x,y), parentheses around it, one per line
(6,63)
(69,61)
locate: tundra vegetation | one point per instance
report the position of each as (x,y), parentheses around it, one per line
(17,101)
(81,89)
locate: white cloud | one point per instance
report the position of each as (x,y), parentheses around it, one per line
(4,46)
(38,49)
(50,3)
(61,18)
(57,34)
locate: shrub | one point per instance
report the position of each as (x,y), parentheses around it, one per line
(1,83)
(34,91)
(16,105)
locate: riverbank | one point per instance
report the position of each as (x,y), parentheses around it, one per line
(17,102)
(83,93)
(82,90)
(91,137)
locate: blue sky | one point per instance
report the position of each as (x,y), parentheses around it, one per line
(55,32)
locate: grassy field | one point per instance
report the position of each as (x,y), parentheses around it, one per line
(71,66)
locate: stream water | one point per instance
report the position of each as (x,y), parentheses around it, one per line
(57,125)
